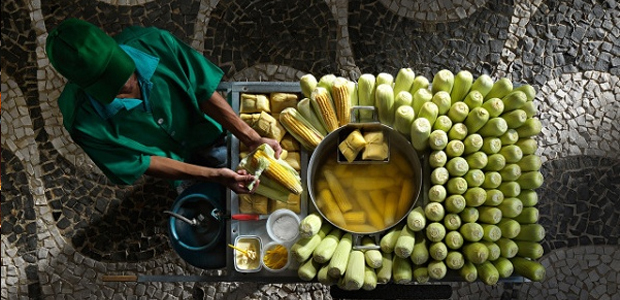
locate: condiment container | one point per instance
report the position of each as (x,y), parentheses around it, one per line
(243,263)
(268,252)
(283,226)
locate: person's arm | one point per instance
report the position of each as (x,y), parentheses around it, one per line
(218,108)
(166,168)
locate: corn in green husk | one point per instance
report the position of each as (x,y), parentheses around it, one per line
(476,252)
(514,100)
(442,123)
(473,99)
(504,267)
(438,139)
(439,175)
(492,180)
(435,232)
(474,177)
(437,158)
(477,160)
(528,197)
(530,108)
(509,137)
(501,88)
(490,214)
(494,251)
(530,92)
(476,118)
(463,80)
(512,153)
(494,196)
(438,250)
(511,207)
(529,269)
(437,269)
(508,247)
(469,214)
(457,132)
(429,111)
(530,180)
(420,254)
(529,215)
(456,186)
(434,211)
(531,233)
(472,232)
(492,232)
(515,118)
(452,221)
(473,143)
(458,112)
(495,127)
(384,273)
(420,132)
(496,162)
(420,97)
(455,260)
(494,106)
(404,80)
(475,196)
(454,240)
(487,273)
(510,228)
(531,127)
(491,145)
(531,250)
(483,84)
(469,272)
(443,102)
(455,204)
(402,271)
(510,172)
(530,162)
(510,188)
(437,193)
(416,219)
(420,274)
(442,81)
(419,83)
(457,166)
(455,148)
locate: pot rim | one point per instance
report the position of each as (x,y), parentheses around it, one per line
(332,137)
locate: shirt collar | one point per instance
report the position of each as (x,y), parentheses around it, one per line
(145,68)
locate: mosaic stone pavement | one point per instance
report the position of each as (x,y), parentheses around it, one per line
(64,225)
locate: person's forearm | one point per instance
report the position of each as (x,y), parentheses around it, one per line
(218,108)
(170,169)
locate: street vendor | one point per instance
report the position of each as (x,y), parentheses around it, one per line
(144,102)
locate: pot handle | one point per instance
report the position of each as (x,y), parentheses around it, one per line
(357,242)
(354,109)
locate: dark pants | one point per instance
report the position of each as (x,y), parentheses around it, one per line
(216,156)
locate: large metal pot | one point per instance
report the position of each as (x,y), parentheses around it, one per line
(328,148)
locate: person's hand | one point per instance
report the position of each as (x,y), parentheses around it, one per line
(237,181)
(271,142)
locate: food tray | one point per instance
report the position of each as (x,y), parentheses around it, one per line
(258,228)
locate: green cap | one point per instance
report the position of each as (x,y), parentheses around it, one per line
(87,56)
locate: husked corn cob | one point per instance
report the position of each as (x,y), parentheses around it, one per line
(330,208)
(300,128)
(342,100)
(355,217)
(277,170)
(343,201)
(324,107)
(364,201)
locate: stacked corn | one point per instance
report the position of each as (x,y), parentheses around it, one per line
(480,216)
(280,185)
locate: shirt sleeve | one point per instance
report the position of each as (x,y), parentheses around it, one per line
(121,165)
(202,74)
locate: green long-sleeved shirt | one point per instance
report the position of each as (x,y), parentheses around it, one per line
(173,125)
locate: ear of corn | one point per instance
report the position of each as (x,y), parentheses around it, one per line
(342,100)
(343,201)
(300,128)
(443,102)
(326,81)
(403,119)
(501,88)
(353,96)
(404,80)
(277,170)
(429,111)
(420,97)
(443,81)
(308,83)
(462,84)
(483,84)
(384,101)
(364,201)
(329,207)
(402,98)
(384,78)
(304,107)
(473,99)
(324,108)
(514,100)
(366,94)
(530,92)
(419,82)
